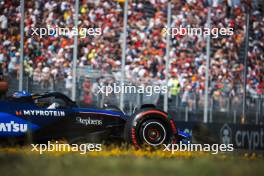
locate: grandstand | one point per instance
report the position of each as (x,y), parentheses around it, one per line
(48,60)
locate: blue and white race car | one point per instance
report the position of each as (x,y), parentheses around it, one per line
(53,116)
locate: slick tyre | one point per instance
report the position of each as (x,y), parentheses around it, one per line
(150,127)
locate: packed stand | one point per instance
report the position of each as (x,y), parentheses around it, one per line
(48,60)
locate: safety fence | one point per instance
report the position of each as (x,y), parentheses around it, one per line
(185,106)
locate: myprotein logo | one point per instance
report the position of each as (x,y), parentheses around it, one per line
(40,113)
(13,127)
(89,121)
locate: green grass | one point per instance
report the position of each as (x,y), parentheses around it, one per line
(74,164)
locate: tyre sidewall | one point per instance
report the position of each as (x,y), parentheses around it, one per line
(133,127)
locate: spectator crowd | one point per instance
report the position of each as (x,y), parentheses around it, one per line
(48,60)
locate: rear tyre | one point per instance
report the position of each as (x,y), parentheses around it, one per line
(153,132)
(150,127)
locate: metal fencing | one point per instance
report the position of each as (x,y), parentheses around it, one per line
(185,106)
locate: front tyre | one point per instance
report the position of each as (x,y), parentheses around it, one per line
(151,127)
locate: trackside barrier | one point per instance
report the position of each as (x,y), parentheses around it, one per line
(250,137)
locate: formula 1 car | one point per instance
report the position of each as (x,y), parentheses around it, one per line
(54,116)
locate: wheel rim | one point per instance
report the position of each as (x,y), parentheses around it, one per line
(154,133)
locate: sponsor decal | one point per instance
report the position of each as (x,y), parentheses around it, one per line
(40,113)
(249,137)
(13,127)
(242,138)
(225,134)
(253,139)
(89,121)
(188,131)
